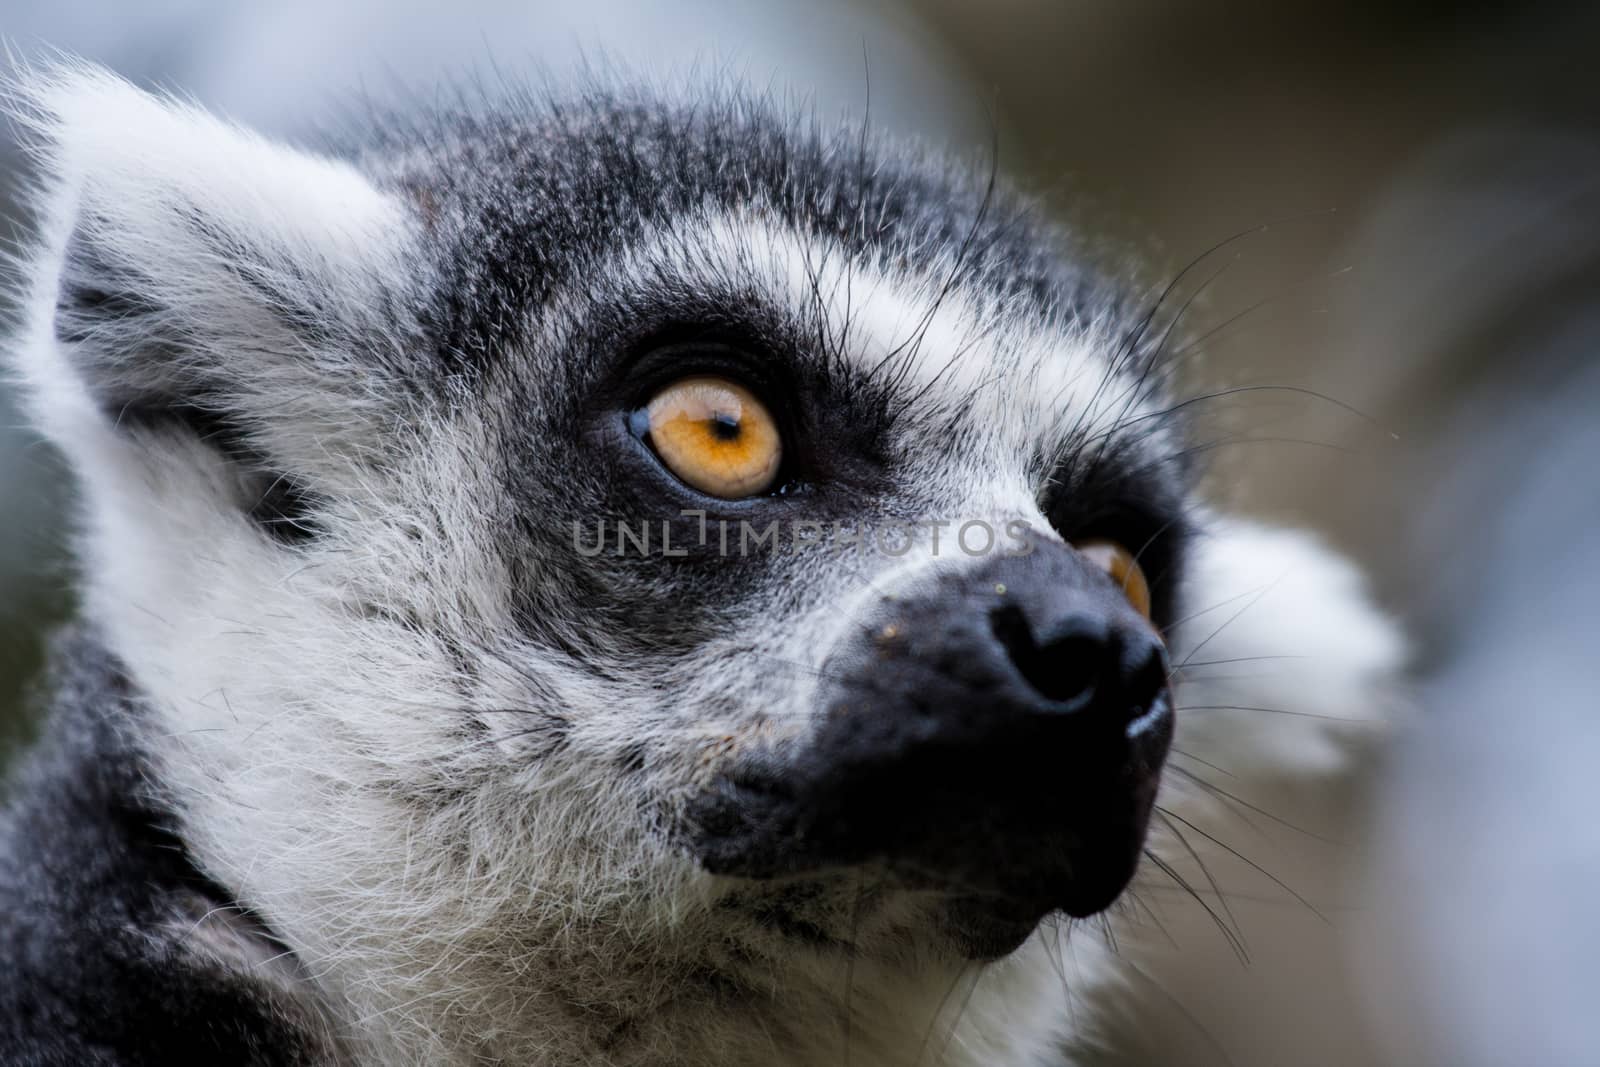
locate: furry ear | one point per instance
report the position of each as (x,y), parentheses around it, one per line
(1279,653)
(188,270)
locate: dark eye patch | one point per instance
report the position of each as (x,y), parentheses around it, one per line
(1120,495)
(834,431)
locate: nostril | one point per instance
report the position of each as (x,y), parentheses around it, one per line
(1062,668)
(1144,675)
(1145,671)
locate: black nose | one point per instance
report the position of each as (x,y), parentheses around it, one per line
(998,736)
(1110,666)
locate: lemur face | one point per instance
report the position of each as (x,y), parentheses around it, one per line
(846,556)
(757,384)
(580,546)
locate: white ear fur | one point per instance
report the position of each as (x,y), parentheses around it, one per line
(177,251)
(1279,652)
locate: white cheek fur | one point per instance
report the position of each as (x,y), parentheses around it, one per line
(1279,651)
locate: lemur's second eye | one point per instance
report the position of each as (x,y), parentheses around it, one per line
(716,436)
(1123,569)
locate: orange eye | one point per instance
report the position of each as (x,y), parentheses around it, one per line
(1119,563)
(716,436)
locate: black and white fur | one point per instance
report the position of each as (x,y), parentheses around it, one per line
(355,761)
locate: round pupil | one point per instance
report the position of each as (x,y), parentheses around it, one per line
(725,425)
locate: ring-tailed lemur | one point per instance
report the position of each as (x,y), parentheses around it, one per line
(517,628)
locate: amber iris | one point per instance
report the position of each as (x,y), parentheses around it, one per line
(1119,563)
(715,436)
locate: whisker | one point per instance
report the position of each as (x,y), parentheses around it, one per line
(1280,883)
(1230,442)
(1222,900)
(850,960)
(1223,794)
(1260,899)
(955,1024)
(1171,626)
(1198,344)
(1278,711)
(1131,343)
(1187,663)
(1233,939)
(1252,602)
(1178,1005)
(1176,751)
(1134,900)
(944,1002)
(1122,425)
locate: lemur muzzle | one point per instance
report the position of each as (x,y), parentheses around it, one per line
(998,734)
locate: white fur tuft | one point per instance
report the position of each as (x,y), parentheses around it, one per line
(1279,654)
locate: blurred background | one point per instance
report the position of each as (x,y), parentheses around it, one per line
(1409,190)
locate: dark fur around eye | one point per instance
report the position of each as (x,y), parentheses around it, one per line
(1138,506)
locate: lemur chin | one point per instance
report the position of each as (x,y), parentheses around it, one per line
(623,578)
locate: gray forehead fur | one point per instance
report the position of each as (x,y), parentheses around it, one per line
(527,189)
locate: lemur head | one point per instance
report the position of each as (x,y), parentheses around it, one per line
(599,570)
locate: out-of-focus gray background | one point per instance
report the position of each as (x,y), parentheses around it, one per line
(1415,184)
